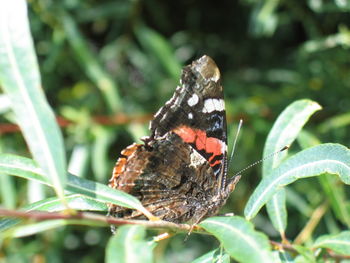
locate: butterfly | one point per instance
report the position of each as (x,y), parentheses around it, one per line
(179,173)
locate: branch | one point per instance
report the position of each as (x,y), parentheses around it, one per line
(106,220)
(288,247)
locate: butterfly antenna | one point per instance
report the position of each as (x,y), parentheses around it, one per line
(261,160)
(235,142)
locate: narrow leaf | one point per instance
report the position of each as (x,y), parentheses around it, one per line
(284,132)
(283,257)
(7,191)
(325,158)
(31,229)
(75,201)
(26,168)
(334,191)
(340,243)
(90,64)
(239,239)
(159,48)
(213,256)
(99,158)
(20,79)
(129,245)
(277,211)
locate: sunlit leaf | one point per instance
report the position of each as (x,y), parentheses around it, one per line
(32,229)
(214,256)
(339,243)
(129,245)
(20,79)
(75,201)
(26,168)
(284,132)
(332,188)
(239,238)
(324,158)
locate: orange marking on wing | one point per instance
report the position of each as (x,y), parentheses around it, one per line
(119,167)
(202,142)
(187,134)
(215,163)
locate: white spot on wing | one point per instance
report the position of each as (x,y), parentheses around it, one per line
(193,100)
(190,116)
(211,105)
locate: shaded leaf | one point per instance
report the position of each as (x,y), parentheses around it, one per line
(282,256)
(90,64)
(159,48)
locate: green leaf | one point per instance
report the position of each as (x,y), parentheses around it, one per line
(325,158)
(282,256)
(129,245)
(26,168)
(79,159)
(159,48)
(306,255)
(213,256)
(20,79)
(75,201)
(99,158)
(32,229)
(277,211)
(284,132)
(334,123)
(90,64)
(7,191)
(239,238)
(334,191)
(339,243)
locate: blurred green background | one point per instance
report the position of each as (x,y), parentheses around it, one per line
(107,66)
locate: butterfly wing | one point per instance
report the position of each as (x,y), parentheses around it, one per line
(196,113)
(171,188)
(180,171)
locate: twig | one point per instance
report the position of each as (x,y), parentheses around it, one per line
(164,225)
(311,224)
(117,119)
(288,247)
(41,216)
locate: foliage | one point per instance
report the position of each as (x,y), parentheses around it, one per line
(106,66)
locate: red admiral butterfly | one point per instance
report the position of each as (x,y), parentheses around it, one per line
(180,172)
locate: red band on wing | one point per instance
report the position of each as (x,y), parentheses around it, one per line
(199,138)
